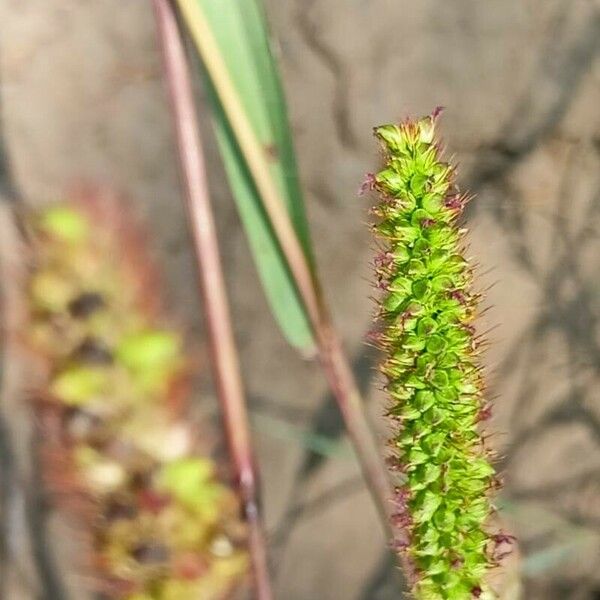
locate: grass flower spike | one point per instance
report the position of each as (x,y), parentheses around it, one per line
(118,450)
(442,503)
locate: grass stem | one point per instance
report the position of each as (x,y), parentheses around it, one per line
(215,304)
(332,357)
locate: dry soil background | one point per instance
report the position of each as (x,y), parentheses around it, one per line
(81,98)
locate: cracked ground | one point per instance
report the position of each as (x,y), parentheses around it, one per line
(81,99)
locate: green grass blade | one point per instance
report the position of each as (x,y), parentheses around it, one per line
(239,29)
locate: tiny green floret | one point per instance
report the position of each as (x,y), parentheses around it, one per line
(442,504)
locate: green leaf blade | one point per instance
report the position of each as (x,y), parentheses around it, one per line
(239,28)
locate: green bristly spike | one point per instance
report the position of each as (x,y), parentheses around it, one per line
(434,381)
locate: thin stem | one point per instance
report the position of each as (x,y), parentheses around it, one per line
(332,357)
(343,386)
(212,287)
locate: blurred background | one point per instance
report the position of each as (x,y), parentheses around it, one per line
(81,99)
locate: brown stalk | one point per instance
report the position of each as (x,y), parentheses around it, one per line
(335,364)
(212,287)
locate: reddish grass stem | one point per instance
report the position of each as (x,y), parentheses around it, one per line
(335,364)
(222,345)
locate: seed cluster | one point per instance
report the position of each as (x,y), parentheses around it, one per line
(425,330)
(118,450)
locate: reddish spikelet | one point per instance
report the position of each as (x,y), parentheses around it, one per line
(118,453)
